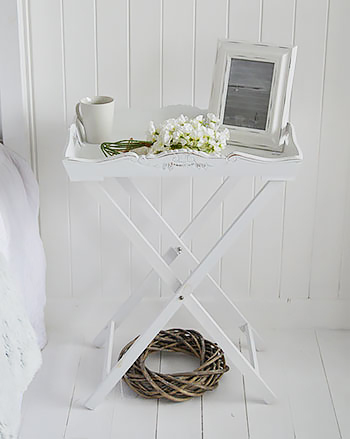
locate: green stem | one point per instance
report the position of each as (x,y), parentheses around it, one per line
(115,148)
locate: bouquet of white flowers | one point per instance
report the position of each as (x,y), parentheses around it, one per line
(201,134)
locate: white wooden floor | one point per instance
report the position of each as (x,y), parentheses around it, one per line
(308,369)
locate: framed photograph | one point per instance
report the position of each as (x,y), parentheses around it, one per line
(251,92)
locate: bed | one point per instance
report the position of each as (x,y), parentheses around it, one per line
(22,287)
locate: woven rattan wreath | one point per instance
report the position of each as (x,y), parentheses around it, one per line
(183,385)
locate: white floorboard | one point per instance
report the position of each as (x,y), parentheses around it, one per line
(46,405)
(335,350)
(307,369)
(82,422)
(274,420)
(310,403)
(134,417)
(224,410)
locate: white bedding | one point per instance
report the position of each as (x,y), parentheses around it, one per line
(20,355)
(20,242)
(22,287)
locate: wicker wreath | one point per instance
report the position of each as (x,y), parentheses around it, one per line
(183,385)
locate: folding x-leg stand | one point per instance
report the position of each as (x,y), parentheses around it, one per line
(183,291)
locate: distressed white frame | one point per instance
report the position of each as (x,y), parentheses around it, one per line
(283,58)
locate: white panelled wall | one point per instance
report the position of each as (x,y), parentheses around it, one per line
(293,264)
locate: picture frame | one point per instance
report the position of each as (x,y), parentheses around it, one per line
(251,92)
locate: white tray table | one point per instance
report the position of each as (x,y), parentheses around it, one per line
(86,164)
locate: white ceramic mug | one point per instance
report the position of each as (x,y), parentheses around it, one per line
(95,115)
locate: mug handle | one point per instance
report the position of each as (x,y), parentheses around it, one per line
(80,124)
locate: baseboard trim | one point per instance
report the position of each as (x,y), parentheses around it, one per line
(297,313)
(271,314)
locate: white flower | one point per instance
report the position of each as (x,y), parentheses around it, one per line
(199,118)
(201,133)
(152,128)
(152,132)
(165,137)
(181,119)
(183,141)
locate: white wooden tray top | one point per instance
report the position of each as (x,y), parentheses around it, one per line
(85,162)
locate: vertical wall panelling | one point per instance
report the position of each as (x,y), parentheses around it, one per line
(310,37)
(80,69)
(27,80)
(145,18)
(244,24)
(268,226)
(144,53)
(278,20)
(333,159)
(13,79)
(112,49)
(209,27)
(161,52)
(244,20)
(112,69)
(49,119)
(344,291)
(177,52)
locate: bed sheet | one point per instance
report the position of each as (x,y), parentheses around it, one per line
(20,242)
